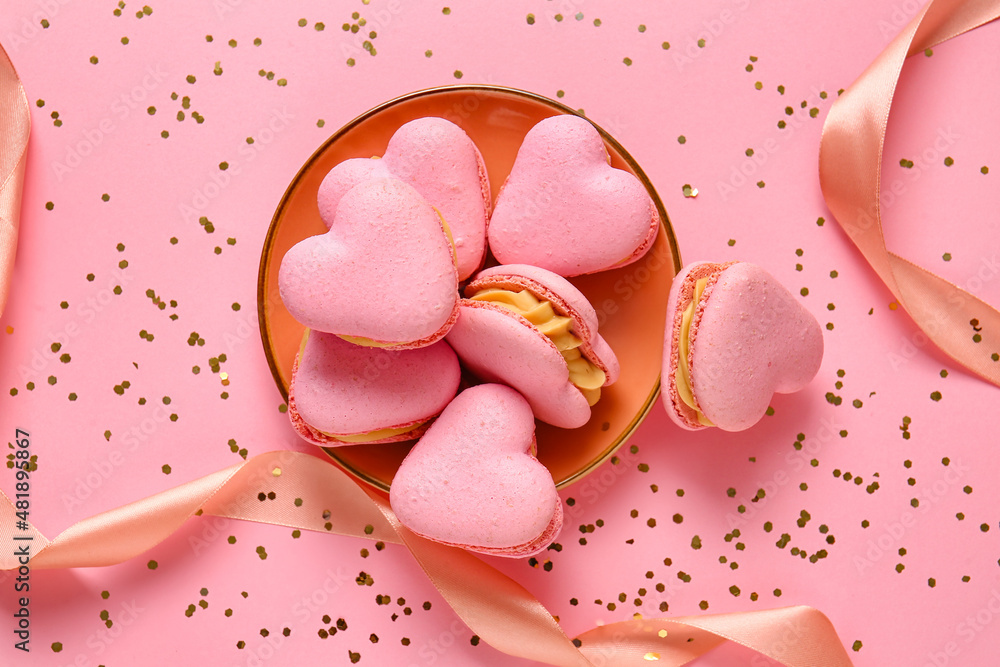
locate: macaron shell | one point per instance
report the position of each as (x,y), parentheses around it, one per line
(472,481)
(498,345)
(751,338)
(524,276)
(385,270)
(442,163)
(565,209)
(536,546)
(345,389)
(320,439)
(565,298)
(681,294)
(341,179)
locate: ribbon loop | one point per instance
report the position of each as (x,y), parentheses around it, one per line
(850,163)
(15,126)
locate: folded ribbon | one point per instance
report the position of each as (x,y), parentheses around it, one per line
(15,124)
(850,165)
(313,494)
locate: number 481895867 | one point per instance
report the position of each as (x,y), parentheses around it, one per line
(22,462)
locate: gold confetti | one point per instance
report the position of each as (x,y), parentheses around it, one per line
(276,472)
(689,191)
(651,656)
(661,634)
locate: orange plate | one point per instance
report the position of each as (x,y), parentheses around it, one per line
(629,301)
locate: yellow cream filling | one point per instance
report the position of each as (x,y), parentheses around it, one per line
(365,342)
(584,374)
(369,436)
(447,232)
(683,379)
(368,342)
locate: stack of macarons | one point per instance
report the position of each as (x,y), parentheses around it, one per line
(397,304)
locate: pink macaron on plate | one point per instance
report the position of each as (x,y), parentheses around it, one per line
(630,301)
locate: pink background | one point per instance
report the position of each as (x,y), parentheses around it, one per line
(874,584)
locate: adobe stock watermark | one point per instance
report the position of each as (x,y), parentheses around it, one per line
(776,310)
(359,43)
(297,616)
(472,101)
(745,172)
(637,277)
(30,26)
(434,648)
(901,14)
(605,655)
(943,318)
(796,460)
(864,220)
(120,109)
(224,8)
(556,13)
(214,524)
(944,139)
(101,470)
(116,623)
(248,323)
(713,29)
(86,313)
(894,531)
(650,606)
(219,179)
(968,629)
(593,487)
(793,632)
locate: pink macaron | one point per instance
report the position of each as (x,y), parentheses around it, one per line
(346,394)
(473,481)
(566,209)
(383,276)
(734,337)
(532,330)
(442,163)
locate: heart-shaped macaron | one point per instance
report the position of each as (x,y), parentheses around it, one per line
(346,394)
(442,163)
(472,480)
(735,337)
(532,330)
(565,209)
(384,274)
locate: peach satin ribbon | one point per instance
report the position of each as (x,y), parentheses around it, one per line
(850,165)
(498,609)
(15,123)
